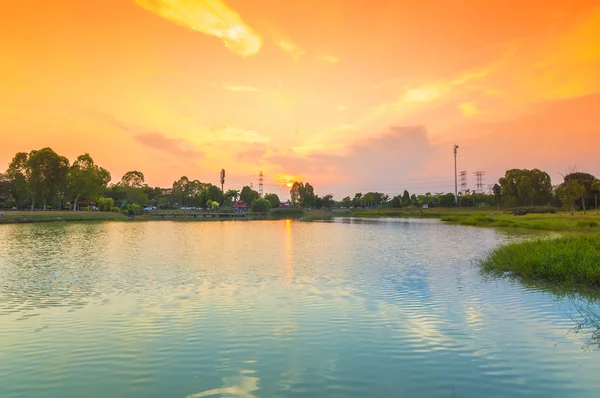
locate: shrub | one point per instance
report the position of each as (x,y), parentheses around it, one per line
(115,209)
(260,206)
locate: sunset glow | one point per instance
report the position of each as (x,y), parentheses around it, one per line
(352,96)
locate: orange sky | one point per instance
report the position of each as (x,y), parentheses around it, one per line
(349,95)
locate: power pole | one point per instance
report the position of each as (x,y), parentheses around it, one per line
(455,176)
(463,181)
(479,176)
(260,184)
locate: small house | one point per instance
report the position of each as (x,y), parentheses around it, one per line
(240,206)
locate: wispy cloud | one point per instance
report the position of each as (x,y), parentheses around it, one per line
(211,17)
(287,45)
(240,88)
(228,133)
(330,59)
(172,146)
(469,109)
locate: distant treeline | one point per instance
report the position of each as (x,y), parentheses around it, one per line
(42,179)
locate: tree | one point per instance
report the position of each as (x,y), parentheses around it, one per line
(232,194)
(273,200)
(133,179)
(586,180)
(180,188)
(105,204)
(569,193)
(595,190)
(405,199)
(522,187)
(260,205)
(18,174)
(327,201)
(248,195)
(308,199)
(86,179)
(48,175)
(296,193)
(346,202)
(497,189)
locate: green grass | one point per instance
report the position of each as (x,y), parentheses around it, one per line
(572,260)
(540,219)
(15,217)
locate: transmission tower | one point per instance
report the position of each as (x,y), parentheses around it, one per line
(479,176)
(260,184)
(490,188)
(463,181)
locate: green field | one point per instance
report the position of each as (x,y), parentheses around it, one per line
(12,217)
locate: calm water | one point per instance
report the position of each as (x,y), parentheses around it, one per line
(383,308)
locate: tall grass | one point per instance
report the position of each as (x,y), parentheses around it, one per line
(570,260)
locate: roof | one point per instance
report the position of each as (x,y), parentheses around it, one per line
(86,203)
(240,205)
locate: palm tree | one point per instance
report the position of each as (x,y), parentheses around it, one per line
(232,194)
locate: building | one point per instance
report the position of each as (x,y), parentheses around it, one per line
(240,206)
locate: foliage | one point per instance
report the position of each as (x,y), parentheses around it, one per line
(232,194)
(273,200)
(522,187)
(115,209)
(86,179)
(105,204)
(569,193)
(260,205)
(47,175)
(248,195)
(133,179)
(325,202)
(571,260)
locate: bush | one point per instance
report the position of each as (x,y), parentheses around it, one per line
(115,209)
(84,208)
(260,206)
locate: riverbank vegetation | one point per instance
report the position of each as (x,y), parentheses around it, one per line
(572,260)
(43,179)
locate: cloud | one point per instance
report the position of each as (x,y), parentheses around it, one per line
(330,59)
(211,17)
(227,133)
(469,109)
(287,45)
(169,145)
(423,94)
(341,108)
(381,161)
(240,88)
(256,152)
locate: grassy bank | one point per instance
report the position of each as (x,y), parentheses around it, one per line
(13,217)
(572,260)
(488,217)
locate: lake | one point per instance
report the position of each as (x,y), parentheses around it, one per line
(349,308)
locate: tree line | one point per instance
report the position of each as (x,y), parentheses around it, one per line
(44,179)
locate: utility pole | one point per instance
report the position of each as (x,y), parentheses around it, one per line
(222,180)
(455,176)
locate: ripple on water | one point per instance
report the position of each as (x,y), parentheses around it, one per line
(258,309)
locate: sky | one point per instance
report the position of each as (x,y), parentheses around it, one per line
(351,96)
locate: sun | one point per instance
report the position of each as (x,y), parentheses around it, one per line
(289,184)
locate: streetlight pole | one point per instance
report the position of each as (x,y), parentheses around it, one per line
(455,176)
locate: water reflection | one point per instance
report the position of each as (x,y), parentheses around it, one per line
(277,308)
